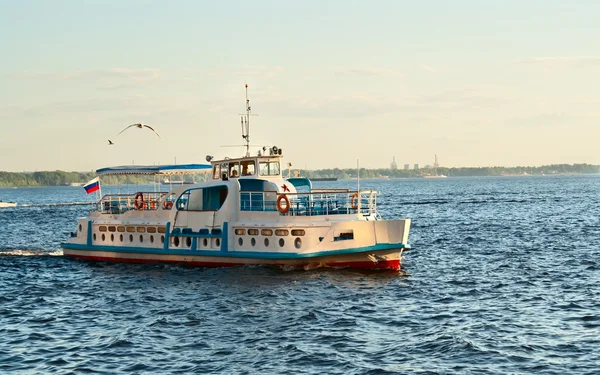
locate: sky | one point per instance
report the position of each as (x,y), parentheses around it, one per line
(477,83)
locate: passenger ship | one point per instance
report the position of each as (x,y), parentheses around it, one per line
(247,213)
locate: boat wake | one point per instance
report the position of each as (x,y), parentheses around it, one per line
(29,253)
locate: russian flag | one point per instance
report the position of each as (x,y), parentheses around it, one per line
(92,185)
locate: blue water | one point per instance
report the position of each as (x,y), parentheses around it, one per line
(503,278)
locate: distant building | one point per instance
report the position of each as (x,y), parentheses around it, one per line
(393,164)
(406,167)
(416,166)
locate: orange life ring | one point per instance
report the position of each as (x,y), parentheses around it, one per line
(167,205)
(355,200)
(138,201)
(283,197)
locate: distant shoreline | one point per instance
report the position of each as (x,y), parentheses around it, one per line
(62,178)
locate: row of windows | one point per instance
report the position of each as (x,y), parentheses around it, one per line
(269,232)
(121,238)
(297,242)
(188,241)
(128,229)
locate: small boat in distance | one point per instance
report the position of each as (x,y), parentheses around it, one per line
(247,213)
(7,204)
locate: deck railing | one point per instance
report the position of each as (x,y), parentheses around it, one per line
(119,203)
(321,202)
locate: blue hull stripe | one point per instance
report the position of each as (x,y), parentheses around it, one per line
(231,254)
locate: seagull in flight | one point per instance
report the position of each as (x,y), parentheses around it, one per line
(110,143)
(141,126)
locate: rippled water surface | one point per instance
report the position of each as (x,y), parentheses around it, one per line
(503,278)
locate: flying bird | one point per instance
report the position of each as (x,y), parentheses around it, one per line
(141,126)
(110,143)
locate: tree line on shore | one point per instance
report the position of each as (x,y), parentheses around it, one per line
(62,178)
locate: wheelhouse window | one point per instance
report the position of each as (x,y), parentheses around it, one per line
(203,199)
(216,172)
(248,168)
(270,168)
(234,170)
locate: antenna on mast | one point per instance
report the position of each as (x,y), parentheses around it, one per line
(246,123)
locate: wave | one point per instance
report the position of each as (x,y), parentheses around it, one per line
(30,253)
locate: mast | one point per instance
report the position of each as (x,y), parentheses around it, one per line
(246,124)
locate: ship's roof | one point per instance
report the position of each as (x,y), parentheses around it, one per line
(155,169)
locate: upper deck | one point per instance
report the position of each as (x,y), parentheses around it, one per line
(266,164)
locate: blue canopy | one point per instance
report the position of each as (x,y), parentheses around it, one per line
(155,169)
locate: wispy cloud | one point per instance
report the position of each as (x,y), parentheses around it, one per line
(366,71)
(143,74)
(561,61)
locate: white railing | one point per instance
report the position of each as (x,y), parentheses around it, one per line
(321,202)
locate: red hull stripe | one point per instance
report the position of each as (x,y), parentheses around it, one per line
(387,264)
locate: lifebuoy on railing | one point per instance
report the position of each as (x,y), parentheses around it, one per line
(355,200)
(167,205)
(285,209)
(138,201)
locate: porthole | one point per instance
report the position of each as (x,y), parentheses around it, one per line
(253,241)
(112,237)
(141,238)
(112,228)
(103,237)
(80,228)
(240,232)
(176,241)
(141,229)
(188,242)
(94,236)
(131,229)
(298,232)
(151,230)
(151,239)
(162,239)
(218,242)
(205,242)
(102,228)
(131,238)
(266,242)
(121,229)
(267,232)
(121,237)
(253,232)
(298,243)
(282,232)
(240,241)
(281,242)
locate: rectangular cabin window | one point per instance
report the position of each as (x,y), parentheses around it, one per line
(234,170)
(270,168)
(203,199)
(347,234)
(253,232)
(151,230)
(248,168)
(121,229)
(131,229)
(162,229)
(141,229)
(216,172)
